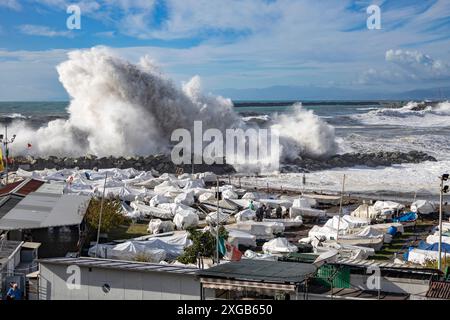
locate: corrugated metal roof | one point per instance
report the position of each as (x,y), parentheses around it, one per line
(56,188)
(439,290)
(120,264)
(266,271)
(43,210)
(21,188)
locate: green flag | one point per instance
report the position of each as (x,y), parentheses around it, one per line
(222,248)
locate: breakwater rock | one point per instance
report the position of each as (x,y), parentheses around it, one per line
(163,163)
(384,159)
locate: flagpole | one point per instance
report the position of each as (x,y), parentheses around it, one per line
(100,217)
(6,152)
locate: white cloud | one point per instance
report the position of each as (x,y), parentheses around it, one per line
(43,31)
(11,4)
(418,62)
(407,66)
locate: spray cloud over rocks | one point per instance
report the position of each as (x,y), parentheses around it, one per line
(120,109)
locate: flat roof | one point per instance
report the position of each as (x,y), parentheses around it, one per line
(44,210)
(262,271)
(385,265)
(120,265)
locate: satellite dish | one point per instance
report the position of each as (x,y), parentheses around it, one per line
(326,257)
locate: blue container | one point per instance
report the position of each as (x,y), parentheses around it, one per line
(392,231)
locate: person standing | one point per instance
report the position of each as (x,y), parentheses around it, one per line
(251,206)
(14,292)
(278,211)
(260,213)
(268,212)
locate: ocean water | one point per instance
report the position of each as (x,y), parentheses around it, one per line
(359,127)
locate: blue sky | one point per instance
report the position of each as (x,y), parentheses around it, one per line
(233,43)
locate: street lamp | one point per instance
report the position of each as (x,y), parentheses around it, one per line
(5,141)
(443,189)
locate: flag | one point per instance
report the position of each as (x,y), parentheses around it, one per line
(233,253)
(29,145)
(222,246)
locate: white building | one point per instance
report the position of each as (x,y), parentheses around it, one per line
(104,279)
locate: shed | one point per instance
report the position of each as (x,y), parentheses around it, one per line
(268,278)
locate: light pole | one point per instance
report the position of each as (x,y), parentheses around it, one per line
(442,189)
(5,141)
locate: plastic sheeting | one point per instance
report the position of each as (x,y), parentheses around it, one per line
(147,211)
(387,208)
(365,211)
(237,237)
(208,176)
(346,223)
(279,246)
(229,194)
(186,198)
(159,199)
(287,223)
(423,207)
(130,250)
(421,257)
(173,246)
(250,196)
(249,254)
(211,218)
(245,215)
(262,230)
(157,226)
(206,197)
(185,219)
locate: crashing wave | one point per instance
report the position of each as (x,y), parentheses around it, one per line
(119,109)
(413,114)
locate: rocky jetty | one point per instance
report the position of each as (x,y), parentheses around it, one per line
(163,163)
(356,159)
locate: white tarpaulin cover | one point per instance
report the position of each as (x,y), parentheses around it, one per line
(129,250)
(419,256)
(302,207)
(434,238)
(212,217)
(249,254)
(237,237)
(245,215)
(287,223)
(157,226)
(346,223)
(158,199)
(365,211)
(207,196)
(208,176)
(387,208)
(147,211)
(250,196)
(423,207)
(262,230)
(185,219)
(186,198)
(278,246)
(229,194)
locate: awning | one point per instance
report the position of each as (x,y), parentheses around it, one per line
(238,285)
